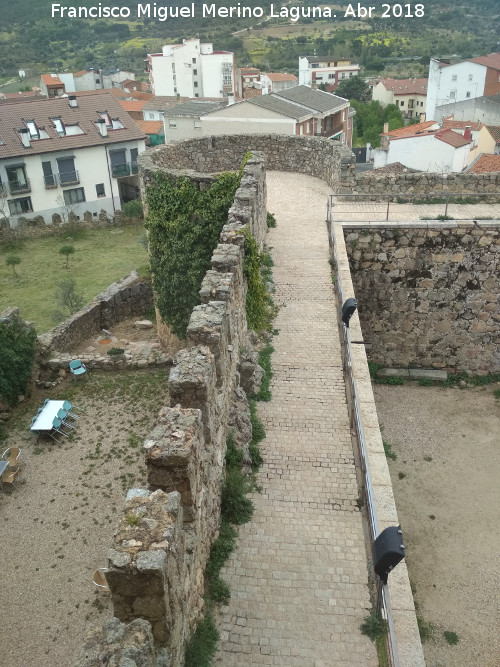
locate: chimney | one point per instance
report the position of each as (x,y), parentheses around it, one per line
(73,103)
(25,137)
(386,128)
(468,133)
(103,130)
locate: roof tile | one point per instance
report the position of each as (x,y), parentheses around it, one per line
(485,164)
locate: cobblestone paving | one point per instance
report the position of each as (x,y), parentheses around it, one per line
(298,577)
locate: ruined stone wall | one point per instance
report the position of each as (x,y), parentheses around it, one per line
(418,184)
(157,561)
(37,226)
(428,293)
(314,156)
(129,296)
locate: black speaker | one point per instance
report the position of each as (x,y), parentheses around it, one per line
(388,549)
(348,310)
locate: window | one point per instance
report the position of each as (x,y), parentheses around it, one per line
(67,171)
(172,123)
(98,80)
(151,116)
(74,196)
(195,72)
(454,77)
(99,190)
(196,95)
(452,94)
(402,103)
(18,181)
(470,77)
(48,175)
(119,166)
(19,206)
(59,126)
(331,76)
(467,94)
(193,61)
(33,129)
(173,68)
(195,84)
(197,124)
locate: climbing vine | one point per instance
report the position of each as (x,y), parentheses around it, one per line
(259,305)
(17,351)
(184,226)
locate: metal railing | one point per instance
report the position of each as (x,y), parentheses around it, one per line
(383,598)
(124,169)
(458,198)
(68,177)
(17,187)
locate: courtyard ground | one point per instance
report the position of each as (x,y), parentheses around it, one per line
(445,479)
(58,521)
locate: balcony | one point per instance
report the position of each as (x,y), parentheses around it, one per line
(68,177)
(16,187)
(50,181)
(125,169)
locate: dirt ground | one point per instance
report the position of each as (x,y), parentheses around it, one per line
(124,334)
(446,484)
(58,521)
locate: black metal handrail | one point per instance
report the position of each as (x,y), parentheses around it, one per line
(16,187)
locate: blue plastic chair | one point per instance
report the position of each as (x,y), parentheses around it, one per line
(77,368)
(62,414)
(70,409)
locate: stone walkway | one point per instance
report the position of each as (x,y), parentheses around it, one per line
(298,577)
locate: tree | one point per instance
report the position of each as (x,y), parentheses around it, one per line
(354,88)
(13,261)
(68,298)
(67,250)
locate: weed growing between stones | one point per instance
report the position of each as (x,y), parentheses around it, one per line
(264,393)
(203,643)
(388,451)
(271,220)
(451,637)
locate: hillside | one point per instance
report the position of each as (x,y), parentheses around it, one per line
(43,43)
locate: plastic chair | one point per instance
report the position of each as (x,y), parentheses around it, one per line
(77,368)
(62,414)
(69,407)
(99,579)
(56,426)
(12,455)
(9,478)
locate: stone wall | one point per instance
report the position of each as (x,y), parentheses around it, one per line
(428,293)
(314,156)
(380,184)
(129,296)
(157,561)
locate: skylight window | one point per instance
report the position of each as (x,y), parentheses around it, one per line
(105,116)
(33,129)
(71,130)
(59,125)
(117,124)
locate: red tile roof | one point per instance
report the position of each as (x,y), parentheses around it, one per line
(406,86)
(51,80)
(452,138)
(450,123)
(494,130)
(492,60)
(485,164)
(410,130)
(280,76)
(150,126)
(85,115)
(132,105)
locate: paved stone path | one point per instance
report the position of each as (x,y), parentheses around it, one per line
(299,576)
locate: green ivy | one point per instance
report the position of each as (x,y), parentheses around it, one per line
(259,305)
(17,351)
(184,226)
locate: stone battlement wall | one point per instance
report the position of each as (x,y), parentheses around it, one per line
(314,156)
(428,293)
(157,561)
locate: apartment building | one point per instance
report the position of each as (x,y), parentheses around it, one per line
(191,69)
(67,155)
(409,95)
(314,71)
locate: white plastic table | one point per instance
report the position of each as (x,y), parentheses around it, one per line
(3,466)
(44,420)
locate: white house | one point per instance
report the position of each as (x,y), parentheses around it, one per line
(67,155)
(449,84)
(300,111)
(191,69)
(426,147)
(409,95)
(275,82)
(183,121)
(314,71)
(485,109)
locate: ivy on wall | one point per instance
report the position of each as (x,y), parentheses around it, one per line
(184,225)
(259,306)
(17,351)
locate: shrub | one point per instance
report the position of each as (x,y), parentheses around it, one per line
(271,220)
(203,644)
(67,250)
(17,351)
(373,626)
(235,506)
(133,209)
(68,298)
(13,261)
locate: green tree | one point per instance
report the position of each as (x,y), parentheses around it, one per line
(354,88)
(67,250)
(17,350)
(13,261)
(67,298)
